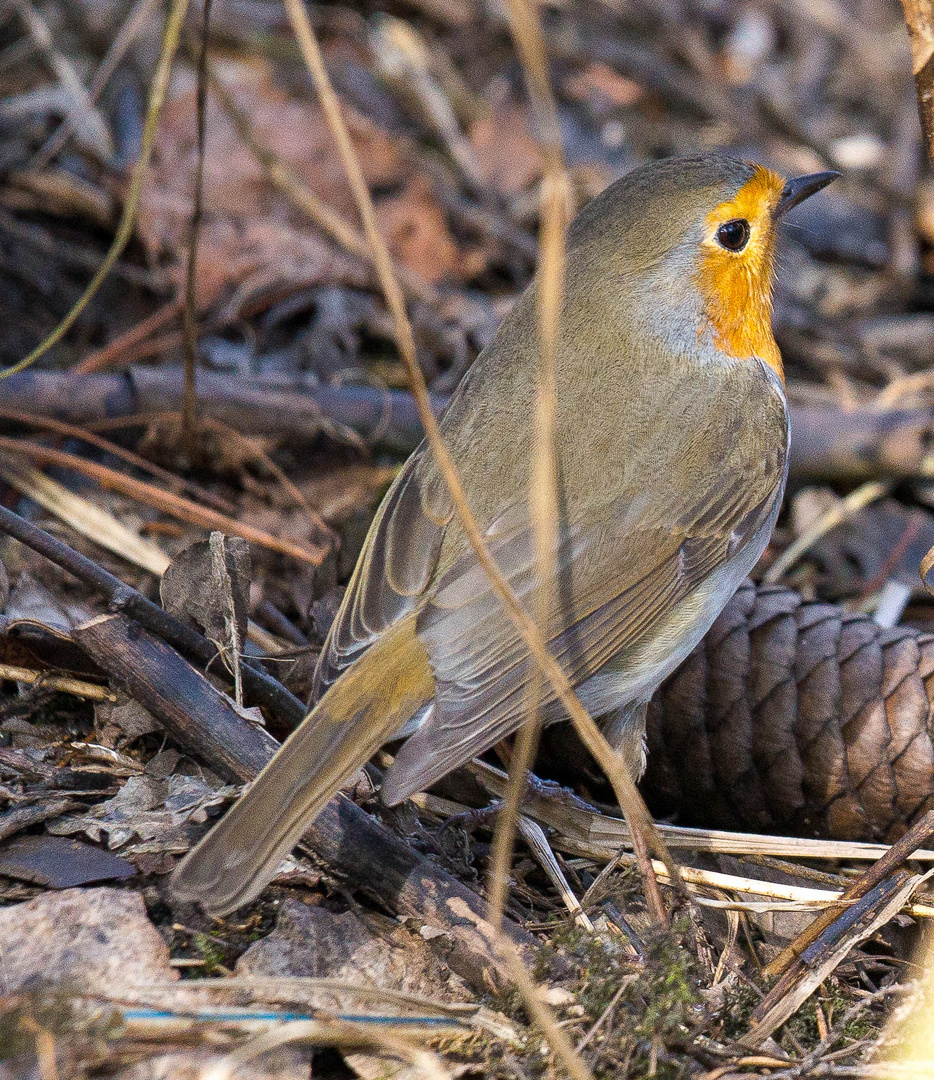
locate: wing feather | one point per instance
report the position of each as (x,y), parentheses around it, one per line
(621,570)
(481,668)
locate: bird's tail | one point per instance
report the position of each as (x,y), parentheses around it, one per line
(363,709)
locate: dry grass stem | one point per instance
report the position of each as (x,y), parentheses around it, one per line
(83,115)
(590,832)
(919,18)
(165,501)
(534,836)
(836,515)
(190,314)
(543,494)
(126,35)
(160,82)
(130,339)
(83,516)
(812,897)
(72,431)
(347,1036)
(630,800)
(77,687)
(405,341)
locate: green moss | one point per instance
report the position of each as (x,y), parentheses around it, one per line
(735,1012)
(214,953)
(654,1008)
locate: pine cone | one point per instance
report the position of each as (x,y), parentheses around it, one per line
(798,718)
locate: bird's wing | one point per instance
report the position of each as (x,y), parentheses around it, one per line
(619,573)
(395,568)
(612,585)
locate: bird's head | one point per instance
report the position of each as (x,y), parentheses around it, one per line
(694,239)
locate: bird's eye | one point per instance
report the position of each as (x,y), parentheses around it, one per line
(733,235)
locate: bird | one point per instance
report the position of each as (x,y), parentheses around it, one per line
(671,456)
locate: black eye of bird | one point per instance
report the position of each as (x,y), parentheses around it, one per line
(733,235)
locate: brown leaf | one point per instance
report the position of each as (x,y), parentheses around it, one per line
(59,863)
(253,241)
(416,230)
(602,88)
(210,583)
(507,154)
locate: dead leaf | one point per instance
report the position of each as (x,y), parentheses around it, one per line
(152,812)
(416,230)
(255,246)
(602,88)
(507,154)
(120,722)
(210,583)
(60,864)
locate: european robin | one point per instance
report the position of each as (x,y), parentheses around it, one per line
(671,444)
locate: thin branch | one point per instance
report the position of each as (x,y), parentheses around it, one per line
(919,17)
(190,320)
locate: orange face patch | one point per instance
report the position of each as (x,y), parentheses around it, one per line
(736,286)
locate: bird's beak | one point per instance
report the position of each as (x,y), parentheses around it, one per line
(801,188)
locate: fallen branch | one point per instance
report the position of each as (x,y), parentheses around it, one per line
(849,929)
(264,689)
(204,722)
(286,408)
(827,443)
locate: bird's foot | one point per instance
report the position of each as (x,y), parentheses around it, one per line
(484,817)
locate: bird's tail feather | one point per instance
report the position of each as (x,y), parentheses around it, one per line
(363,709)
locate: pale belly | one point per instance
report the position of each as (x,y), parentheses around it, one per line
(634,678)
(631,679)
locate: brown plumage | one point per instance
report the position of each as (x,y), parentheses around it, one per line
(671,454)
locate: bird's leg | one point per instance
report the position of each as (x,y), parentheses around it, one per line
(484,817)
(624,730)
(535,788)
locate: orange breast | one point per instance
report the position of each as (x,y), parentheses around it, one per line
(737,286)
